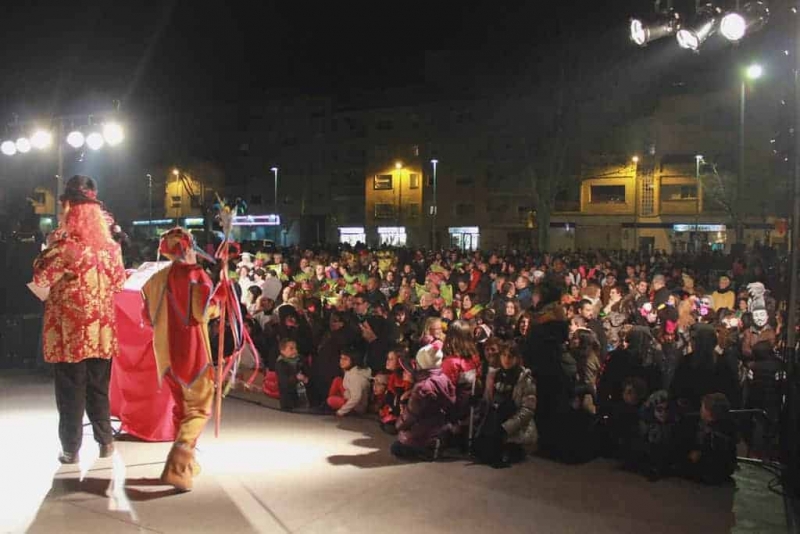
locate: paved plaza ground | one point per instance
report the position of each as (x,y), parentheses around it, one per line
(277,472)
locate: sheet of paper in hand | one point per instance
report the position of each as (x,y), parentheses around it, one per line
(41,292)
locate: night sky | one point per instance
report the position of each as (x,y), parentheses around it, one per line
(157,56)
(166,61)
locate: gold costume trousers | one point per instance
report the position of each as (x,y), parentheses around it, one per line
(192,406)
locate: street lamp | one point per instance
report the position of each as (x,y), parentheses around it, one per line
(753,72)
(150,198)
(434,208)
(275,173)
(698,160)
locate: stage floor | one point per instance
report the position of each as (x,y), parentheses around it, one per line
(276,472)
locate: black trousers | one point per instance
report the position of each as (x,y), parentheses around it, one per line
(80,387)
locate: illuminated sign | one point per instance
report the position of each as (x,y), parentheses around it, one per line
(391,229)
(699,227)
(257,220)
(464,230)
(358,230)
(193,221)
(154,222)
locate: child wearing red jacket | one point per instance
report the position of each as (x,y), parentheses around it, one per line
(398,388)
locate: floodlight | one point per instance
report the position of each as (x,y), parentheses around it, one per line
(664,24)
(23,145)
(703,26)
(41,139)
(113,134)
(8,148)
(75,139)
(751,18)
(95,141)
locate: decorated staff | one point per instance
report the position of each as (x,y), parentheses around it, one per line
(230,310)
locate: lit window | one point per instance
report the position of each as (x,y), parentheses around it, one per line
(608,194)
(382,182)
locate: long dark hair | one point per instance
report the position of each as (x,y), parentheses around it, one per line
(459,341)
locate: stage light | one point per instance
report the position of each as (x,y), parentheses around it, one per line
(23,145)
(75,139)
(733,26)
(398,165)
(113,134)
(751,18)
(41,139)
(95,141)
(644,32)
(8,148)
(701,28)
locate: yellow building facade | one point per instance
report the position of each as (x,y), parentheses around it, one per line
(394,204)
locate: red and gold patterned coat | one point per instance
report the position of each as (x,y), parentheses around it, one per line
(79,313)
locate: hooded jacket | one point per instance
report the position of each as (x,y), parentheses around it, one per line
(425,416)
(520,428)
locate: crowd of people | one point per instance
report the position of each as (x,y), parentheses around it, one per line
(502,355)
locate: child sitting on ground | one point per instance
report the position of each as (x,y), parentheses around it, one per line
(622,420)
(712,458)
(379,390)
(291,375)
(423,421)
(507,432)
(653,452)
(398,385)
(351,393)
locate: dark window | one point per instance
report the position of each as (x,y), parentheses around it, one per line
(255,200)
(608,194)
(412,210)
(384,211)
(671,193)
(413,181)
(384,125)
(465,180)
(176,201)
(382,182)
(465,210)
(39,197)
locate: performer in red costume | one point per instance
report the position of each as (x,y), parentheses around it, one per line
(179,301)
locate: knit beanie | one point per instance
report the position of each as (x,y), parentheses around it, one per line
(430,356)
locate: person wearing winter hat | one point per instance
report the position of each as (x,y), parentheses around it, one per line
(424,419)
(179,302)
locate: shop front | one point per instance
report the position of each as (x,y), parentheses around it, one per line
(465,237)
(352,235)
(698,237)
(256,227)
(393,236)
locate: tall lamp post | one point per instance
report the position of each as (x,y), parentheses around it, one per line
(753,72)
(698,160)
(635,161)
(434,207)
(275,175)
(150,198)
